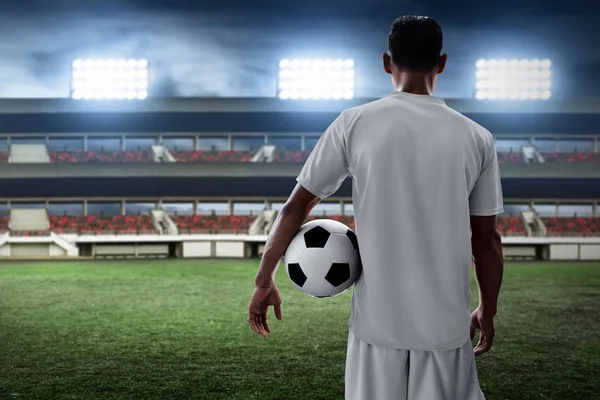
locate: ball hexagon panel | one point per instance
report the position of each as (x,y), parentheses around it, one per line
(339,248)
(316,237)
(352,236)
(315,263)
(338,274)
(355,267)
(318,287)
(334,226)
(295,250)
(296,274)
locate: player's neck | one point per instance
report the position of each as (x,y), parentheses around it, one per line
(415,83)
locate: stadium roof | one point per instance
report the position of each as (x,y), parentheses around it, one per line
(257,105)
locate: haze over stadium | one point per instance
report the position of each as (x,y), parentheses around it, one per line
(148,148)
(228,49)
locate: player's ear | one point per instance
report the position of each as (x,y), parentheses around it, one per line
(442,65)
(387,63)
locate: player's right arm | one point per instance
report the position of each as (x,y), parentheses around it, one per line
(486,246)
(485,202)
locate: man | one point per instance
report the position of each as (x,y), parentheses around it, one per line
(426,192)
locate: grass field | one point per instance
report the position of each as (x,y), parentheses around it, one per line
(178,330)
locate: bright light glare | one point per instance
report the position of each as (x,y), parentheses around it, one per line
(513,79)
(111,79)
(316,79)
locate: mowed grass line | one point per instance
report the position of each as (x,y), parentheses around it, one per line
(178,330)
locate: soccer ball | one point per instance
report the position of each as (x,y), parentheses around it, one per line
(322,260)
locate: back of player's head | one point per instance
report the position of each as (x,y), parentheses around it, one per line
(415,43)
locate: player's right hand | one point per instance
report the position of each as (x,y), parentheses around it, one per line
(262,298)
(484,324)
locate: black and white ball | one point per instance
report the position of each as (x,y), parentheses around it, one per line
(323,259)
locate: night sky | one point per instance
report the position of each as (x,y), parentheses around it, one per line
(231,48)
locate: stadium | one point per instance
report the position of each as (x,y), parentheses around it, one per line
(185,178)
(130,233)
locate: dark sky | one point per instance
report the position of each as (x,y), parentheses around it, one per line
(231,48)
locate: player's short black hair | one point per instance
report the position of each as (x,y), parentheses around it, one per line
(415,43)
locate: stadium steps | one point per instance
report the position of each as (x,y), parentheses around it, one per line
(4,239)
(263,223)
(29,154)
(160,154)
(265,154)
(71,249)
(29,220)
(531,155)
(528,218)
(538,227)
(163,223)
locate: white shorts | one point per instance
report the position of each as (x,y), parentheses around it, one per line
(383,373)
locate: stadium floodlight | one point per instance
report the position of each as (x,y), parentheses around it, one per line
(513,79)
(109,79)
(316,79)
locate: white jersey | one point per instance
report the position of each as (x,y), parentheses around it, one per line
(419,170)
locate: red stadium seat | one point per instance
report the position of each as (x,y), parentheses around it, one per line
(291,156)
(195,224)
(572,157)
(511,226)
(558,226)
(94,225)
(3,156)
(101,157)
(213,156)
(3,225)
(509,158)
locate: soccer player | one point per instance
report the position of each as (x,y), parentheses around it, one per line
(426,191)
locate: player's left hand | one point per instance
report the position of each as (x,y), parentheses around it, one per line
(262,298)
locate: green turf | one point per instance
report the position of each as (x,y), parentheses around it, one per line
(177,330)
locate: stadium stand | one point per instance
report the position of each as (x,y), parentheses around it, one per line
(97,225)
(3,225)
(189,224)
(572,157)
(30,233)
(212,156)
(235,156)
(557,226)
(291,156)
(509,158)
(511,226)
(240,224)
(101,157)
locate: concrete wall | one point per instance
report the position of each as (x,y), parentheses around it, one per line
(130,250)
(196,249)
(57,251)
(30,250)
(230,249)
(589,252)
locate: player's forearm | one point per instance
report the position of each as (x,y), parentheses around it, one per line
(489,269)
(287,224)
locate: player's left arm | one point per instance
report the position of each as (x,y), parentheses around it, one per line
(288,223)
(322,175)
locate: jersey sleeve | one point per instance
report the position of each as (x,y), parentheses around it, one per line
(327,166)
(486,197)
